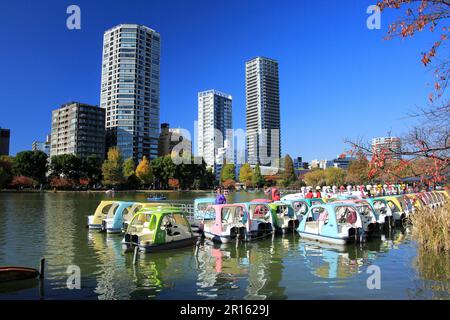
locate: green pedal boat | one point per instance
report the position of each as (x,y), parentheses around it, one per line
(158,229)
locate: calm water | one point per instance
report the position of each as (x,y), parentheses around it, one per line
(283,267)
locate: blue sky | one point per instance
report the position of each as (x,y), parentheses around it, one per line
(338,79)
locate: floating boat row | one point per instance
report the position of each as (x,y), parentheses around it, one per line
(337,219)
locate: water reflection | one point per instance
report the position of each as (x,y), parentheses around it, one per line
(283,267)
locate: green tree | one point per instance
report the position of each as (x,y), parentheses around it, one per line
(228,172)
(163,170)
(129,167)
(258,179)
(68,165)
(144,171)
(112,168)
(92,167)
(246,174)
(31,164)
(6,170)
(335,176)
(289,172)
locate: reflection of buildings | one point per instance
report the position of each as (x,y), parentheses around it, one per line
(255,268)
(333,262)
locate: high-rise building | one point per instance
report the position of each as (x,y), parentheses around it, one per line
(214,119)
(43,146)
(4,141)
(130,89)
(391,146)
(78,129)
(263,142)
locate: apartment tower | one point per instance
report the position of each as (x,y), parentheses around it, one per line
(130,89)
(263,141)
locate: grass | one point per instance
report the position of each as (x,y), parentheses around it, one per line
(431,229)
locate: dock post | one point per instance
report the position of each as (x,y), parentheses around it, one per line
(42,268)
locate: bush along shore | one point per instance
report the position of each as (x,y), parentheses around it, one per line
(431,229)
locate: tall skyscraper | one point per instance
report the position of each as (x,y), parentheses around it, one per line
(78,129)
(391,146)
(263,144)
(130,89)
(214,119)
(4,141)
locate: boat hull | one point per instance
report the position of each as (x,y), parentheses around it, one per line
(161,247)
(320,238)
(17,273)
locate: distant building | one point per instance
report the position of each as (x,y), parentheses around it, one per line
(43,146)
(4,141)
(343,161)
(262,95)
(79,129)
(392,146)
(169,138)
(214,119)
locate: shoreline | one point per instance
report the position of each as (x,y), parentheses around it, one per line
(102,191)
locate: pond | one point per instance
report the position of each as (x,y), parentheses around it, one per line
(53,225)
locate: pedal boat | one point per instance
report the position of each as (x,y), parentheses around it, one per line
(336,223)
(158,229)
(95,221)
(283,217)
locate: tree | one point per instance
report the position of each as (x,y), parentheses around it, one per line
(316,178)
(92,167)
(246,174)
(112,168)
(334,176)
(163,170)
(289,172)
(430,138)
(258,179)
(144,171)
(67,165)
(6,170)
(228,172)
(129,167)
(358,171)
(31,164)
(229,184)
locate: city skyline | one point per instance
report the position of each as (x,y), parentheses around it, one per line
(81,64)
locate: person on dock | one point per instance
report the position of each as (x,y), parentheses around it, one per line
(220,198)
(309,195)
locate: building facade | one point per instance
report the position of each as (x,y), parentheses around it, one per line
(78,129)
(263,143)
(130,89)
(214,119)
(43,146)
(169,138)
(5,135)
(392,146)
